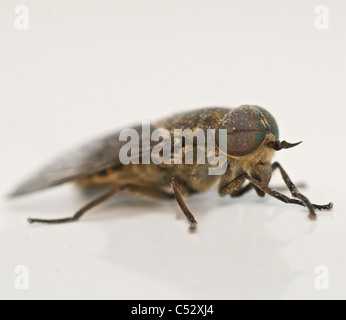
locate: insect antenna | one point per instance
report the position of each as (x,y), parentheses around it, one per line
(278,145)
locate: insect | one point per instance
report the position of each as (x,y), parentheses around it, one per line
(252,138)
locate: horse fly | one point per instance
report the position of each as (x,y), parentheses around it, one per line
(251,137)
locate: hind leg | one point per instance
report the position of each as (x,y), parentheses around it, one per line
(148,191)
(80,212)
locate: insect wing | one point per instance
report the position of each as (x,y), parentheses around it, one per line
(87,160)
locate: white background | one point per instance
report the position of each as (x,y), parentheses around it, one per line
(86,68)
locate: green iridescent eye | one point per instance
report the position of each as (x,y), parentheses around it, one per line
(247,127)
(274,129)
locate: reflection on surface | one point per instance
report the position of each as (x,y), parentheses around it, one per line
(233,254)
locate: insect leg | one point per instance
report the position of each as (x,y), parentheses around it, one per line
(283,198)
(232,187)
(181,202)
(294,190)
(248,187)
(243,190)
(81,211)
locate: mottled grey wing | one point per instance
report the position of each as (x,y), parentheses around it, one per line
(80,163)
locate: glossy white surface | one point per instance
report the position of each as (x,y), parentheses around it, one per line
(82,70)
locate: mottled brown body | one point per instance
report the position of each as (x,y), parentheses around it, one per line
(252,135)
(193,178)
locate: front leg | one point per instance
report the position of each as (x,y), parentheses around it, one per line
(302,200)
(248,187)
(294,190)
(233,187)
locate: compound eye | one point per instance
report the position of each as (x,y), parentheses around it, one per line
(271,122)
(246,130)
